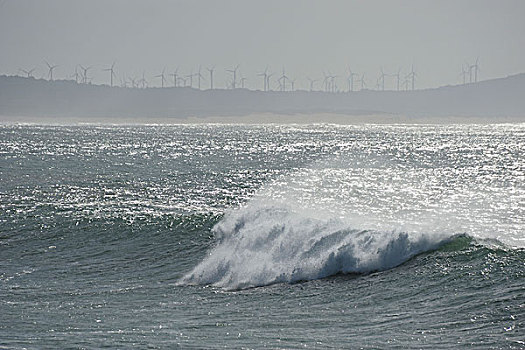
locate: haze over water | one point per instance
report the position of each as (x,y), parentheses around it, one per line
(306,38)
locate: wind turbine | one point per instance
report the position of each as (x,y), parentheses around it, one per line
(234,72)
(268,81)
(398,76)
(412,76)
(292,82)
(161,76)
(211,76)
(469,70)
(174,75)
(242,80)
(29,73)
(283,78)
(76,75)
(199,77)
(51,68)
(85,76)
(333,83)
(326,82)
(143,81)
(189,76)
(382,78)
(264,75)
(112,73)
(351,79)
(311,83)
(406,82)
(408,78)
(476,68)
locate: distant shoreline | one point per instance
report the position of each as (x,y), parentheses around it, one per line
(25,100)
(261,118)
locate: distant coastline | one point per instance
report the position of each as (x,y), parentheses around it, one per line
(264,118)
(28,100)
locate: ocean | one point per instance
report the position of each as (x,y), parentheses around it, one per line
(262,236)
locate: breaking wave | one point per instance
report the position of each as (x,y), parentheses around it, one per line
(269,242)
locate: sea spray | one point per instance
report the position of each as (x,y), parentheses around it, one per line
(268,242)
(323,220)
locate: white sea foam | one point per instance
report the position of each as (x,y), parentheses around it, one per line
(365,208)
(269,241)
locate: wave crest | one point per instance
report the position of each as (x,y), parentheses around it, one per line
(265,243)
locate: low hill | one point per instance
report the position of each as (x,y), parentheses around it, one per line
(497,98)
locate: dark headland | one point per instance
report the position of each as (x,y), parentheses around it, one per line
(34,100)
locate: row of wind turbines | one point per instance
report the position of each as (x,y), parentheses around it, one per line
(352,81)
(470,70)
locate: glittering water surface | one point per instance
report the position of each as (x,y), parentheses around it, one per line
(208,236)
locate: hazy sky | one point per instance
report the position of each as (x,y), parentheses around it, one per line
(305,37)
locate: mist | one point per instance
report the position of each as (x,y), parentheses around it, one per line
(306,38)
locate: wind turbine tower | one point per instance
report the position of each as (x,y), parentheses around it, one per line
(174,75)
(268,88)
(398,77)
(76,75)
(51,68)
(143,82)
(112,73)
(242,80)
(474,67)
(326,82)
(406,82)
(282,81)
(29,73)
(292,82)
(333,83)
(85,75)
(264,75)
(351,76)
(464,72)
(211,76)
(312,81)
(382,78)
(412,76)
(161,76)
(234,72)
(190,76)
(199,77)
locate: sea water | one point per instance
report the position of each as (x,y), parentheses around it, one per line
(277,236)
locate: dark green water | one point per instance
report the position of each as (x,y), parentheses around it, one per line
(262,236)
